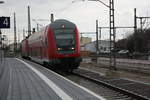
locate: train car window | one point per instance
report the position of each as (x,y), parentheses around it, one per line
(46,42)
(31,52)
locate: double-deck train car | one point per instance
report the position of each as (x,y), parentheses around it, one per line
(57,45)
(25,48)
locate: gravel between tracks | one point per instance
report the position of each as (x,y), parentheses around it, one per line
(115,74)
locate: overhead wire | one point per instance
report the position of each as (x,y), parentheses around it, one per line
(66,7)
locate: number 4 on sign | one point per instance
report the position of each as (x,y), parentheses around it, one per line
(6,22)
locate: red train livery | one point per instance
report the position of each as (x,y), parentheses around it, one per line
(57,45)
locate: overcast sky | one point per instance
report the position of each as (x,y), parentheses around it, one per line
(83,14)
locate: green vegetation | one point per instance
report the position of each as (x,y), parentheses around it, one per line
(136,42)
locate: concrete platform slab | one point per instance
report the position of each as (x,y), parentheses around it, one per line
(23,80)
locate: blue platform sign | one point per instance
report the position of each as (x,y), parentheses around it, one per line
(4,22)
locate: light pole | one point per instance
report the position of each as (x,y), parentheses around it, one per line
(1,44)
(29,22)
(1,2)
(112,32)
(15,34)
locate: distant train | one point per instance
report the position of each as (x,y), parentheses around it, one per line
(56,45)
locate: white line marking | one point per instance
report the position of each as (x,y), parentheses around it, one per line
(85,89)
(51,84)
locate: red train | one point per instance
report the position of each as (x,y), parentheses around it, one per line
(57,45)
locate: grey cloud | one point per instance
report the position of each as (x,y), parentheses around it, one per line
(83,14)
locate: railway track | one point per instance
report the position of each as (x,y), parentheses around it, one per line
(111,90)
(114,89)
(132,65)
(101,90)
(128,62)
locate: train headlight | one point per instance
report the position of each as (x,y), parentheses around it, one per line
(72,48)
(63,26)
(59,48)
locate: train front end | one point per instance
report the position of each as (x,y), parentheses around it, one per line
(66,44)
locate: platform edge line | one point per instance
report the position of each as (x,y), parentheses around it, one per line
(51,84)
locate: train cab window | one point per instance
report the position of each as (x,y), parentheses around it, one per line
(65,39)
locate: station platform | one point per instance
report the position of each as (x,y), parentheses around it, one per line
(24,80)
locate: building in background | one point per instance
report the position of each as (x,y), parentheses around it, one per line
(104,46)
(85,40)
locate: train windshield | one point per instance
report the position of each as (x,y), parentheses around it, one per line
(65,39)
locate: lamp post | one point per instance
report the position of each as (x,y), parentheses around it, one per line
(1,2)
(112,32)
(1,45)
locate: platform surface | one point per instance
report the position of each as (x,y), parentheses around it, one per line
(24,80)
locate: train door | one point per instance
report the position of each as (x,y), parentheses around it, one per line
(41,54)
